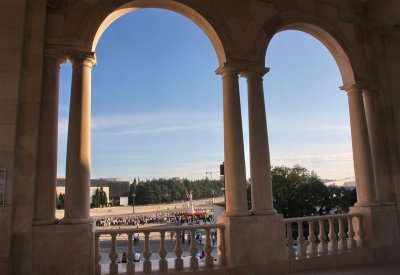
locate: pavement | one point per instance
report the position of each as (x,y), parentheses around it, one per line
(390,268)
(149,209)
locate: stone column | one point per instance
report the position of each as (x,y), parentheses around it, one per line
(363,168)
(382,181)
(235,172)
(260,163)
(77,183)
(46,177)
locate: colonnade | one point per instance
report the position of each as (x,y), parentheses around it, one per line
(78,165)
(365,138)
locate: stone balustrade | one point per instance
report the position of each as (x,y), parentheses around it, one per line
(159,232)
(325,235)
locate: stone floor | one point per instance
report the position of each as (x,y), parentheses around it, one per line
(374,269)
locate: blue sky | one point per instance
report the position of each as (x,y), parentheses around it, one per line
(157,103)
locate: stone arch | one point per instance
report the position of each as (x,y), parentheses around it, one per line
(96,23)
(336,45)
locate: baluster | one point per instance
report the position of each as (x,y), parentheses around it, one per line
(360,232)
(221,246)
(342,236)
(322,246)
(146,253)
(163,263)
(332,245)
(289,240)
(208,249)
(312,246)
(98,255)
(194,262)
(130,266)
(351,242)
(178,252)
(113,255)
(302,249)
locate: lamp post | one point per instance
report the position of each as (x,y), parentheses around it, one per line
(133,202)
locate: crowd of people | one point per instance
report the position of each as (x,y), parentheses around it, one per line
(138,220)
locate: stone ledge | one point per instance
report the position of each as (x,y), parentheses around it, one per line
(351,258)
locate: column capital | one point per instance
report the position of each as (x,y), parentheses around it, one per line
(253,71)
(82,57)
(351,88)
(228,67)
(57,56)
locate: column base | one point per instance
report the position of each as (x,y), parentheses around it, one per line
(63,249)
(367,204)
(46,222)
(386,203)
(236,213)
(5,241)
(380,224)
(241,235)
(66,220)
(263,212)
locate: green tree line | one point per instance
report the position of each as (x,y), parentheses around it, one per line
(298,192)
(169,190)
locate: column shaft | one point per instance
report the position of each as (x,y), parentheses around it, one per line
(382,179)
(77,185)
(46,177)
(235,172)
(260,164)
(363,169)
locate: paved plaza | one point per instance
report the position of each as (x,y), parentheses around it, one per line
(202,205)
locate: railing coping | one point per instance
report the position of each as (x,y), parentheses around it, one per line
(157,229)
(317,218)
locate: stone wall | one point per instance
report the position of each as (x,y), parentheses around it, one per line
(242,30)
(12,18)
(22,28)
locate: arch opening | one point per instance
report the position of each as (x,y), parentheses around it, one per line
(308,118)
(102,23)
(332,43)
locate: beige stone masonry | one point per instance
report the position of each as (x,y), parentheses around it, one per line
(77,183)
(235,174)
(363,168)
(45,190)
(260,163)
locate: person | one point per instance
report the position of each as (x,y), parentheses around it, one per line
(183,236)
(137,257)
(203,255)
(189,238)
(135,238)
(124,258)
(213,238)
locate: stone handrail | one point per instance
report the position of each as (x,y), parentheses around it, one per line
(163,263)
(345,232)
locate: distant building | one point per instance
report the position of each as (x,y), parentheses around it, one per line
(117,190)
(349,183)
(61,190)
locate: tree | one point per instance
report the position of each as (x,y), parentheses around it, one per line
(96,198)
(132,189)
(102,198)
(298,192)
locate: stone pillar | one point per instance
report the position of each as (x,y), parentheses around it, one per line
(363,168)
(77,183)
(382,175)
(46,177)
(260,164)
(235,172)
